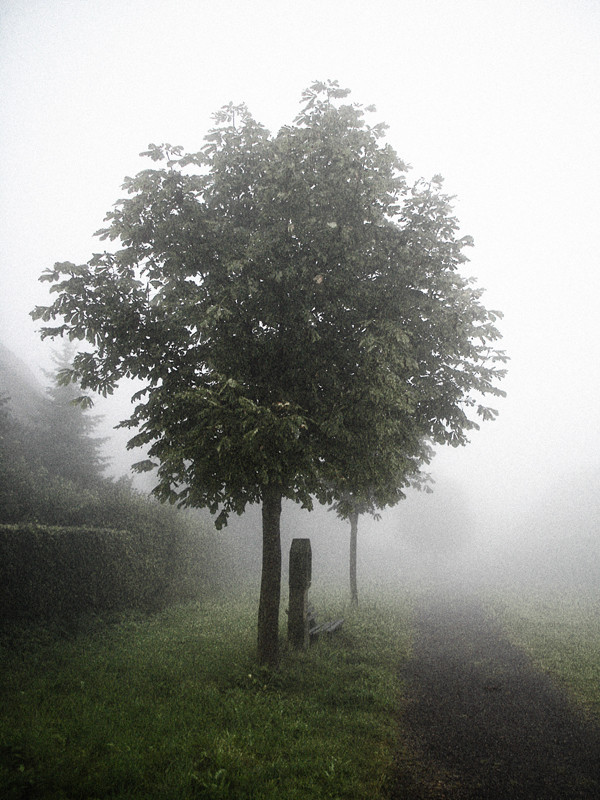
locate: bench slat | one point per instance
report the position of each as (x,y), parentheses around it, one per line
(315,627)
(326,627)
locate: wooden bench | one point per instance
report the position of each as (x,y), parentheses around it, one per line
(315,628)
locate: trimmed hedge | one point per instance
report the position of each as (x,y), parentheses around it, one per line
(59,573)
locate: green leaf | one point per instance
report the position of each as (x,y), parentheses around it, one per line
(83,401)
(144,466)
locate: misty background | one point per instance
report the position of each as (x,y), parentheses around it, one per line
(501,99)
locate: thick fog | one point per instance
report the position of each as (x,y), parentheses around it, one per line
(500,98)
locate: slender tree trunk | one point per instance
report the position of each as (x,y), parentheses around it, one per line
(353,542)
(270,584)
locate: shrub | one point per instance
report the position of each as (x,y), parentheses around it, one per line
(62,573)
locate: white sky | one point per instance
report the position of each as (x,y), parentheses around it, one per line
(502,98)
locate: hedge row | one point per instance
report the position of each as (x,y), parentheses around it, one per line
(54,573)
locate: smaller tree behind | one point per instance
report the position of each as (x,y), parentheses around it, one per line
(350,505)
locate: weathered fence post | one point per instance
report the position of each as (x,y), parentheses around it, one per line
(300,576)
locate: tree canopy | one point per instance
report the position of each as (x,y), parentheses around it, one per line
(294,308)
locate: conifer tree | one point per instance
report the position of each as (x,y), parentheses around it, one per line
(64,430)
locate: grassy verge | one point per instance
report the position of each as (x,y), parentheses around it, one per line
(174,707)
(561,633)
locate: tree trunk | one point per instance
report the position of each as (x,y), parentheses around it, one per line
(353,540)
(270,584)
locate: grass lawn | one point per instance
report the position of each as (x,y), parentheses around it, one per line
(174,706)
(561,633)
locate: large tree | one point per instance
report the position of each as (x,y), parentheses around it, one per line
(293,307)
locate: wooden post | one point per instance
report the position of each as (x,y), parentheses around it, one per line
(300,577)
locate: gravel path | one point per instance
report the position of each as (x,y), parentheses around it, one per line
(483,723)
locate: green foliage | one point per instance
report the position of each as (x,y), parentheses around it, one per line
(294,307)
(17,482)
(49,461)
(73,543)
(63,574)
(58,559)
(174,706)
(63,430)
